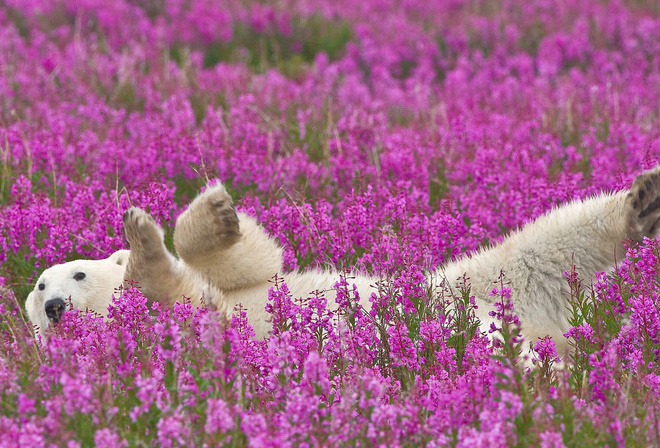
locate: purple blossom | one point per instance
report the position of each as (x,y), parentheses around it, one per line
(366,137)
(107,438)
(219,417)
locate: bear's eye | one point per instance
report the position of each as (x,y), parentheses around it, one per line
(79,276)
(42,286)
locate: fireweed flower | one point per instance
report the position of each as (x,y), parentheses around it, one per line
(551,439)
(402,348)
(503,311)
(546,351)
(584,331)
(107,438)
(380,146)
(219,417)
(173,430)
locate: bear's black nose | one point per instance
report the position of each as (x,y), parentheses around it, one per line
(54,309)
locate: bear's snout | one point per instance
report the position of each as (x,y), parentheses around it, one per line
(54,309)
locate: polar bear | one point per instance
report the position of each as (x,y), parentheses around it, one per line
(226,259)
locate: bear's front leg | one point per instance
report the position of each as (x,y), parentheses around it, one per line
(150,263)
(643,206)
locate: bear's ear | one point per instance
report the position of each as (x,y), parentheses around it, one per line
(120,257)
(29,305)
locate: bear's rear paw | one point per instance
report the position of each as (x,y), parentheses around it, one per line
(143,234)
(220,209)
(209,224)
(644,202)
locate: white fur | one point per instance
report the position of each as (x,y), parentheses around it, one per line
(227,259)
(92,293)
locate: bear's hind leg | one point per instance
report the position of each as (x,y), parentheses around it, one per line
(228,250)
(209,225)
(643,202)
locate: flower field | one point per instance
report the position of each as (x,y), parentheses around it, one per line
(378,136)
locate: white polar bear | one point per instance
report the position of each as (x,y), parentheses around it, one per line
(226,259)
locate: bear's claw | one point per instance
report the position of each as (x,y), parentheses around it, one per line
(143,234)
(209,224)
(644,201)
(218,203)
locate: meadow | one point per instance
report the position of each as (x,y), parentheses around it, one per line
(379,136)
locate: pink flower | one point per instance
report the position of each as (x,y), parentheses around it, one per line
(106,438)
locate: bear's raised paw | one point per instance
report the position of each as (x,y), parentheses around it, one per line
(644,202)
(144,236)
(209,224)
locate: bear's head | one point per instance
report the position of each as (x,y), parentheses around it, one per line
(81,284)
